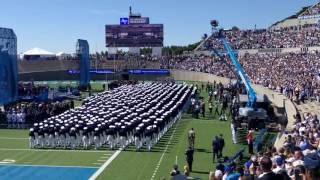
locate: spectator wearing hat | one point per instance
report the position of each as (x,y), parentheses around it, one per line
(279,163)
(312,164)
(176,175)
(218,175)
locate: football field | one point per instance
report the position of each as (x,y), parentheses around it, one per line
(17,161)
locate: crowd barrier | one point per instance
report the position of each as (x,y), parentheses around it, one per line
(258,140)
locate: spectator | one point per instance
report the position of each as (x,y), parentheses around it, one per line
(191,138)
(215,148)
(189,157)
(250,141)
(267,173)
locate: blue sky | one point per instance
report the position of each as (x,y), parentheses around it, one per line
(55,25)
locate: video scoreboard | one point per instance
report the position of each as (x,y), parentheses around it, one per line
(134,32)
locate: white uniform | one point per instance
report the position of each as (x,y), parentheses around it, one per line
(85,142)
(31,140)
(111,141)
(23,119)
(96,142)
(19,120)
(234,133)
(14,120)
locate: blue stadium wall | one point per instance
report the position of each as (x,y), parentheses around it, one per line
(64,75)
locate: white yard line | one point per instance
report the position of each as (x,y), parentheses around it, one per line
(55,150)
(104,166)
(104,157)
(48,166)
(164,152)
(97,164)
(12,138)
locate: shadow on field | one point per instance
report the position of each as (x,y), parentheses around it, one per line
(202,150)
(200,172)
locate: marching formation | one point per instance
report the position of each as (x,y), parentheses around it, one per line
(131,114)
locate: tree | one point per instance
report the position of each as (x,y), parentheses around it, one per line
(102,54)
(177,50)
(204,36)
(98,55)
(146,51)
(235,28)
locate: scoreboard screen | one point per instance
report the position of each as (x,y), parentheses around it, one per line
(134,35)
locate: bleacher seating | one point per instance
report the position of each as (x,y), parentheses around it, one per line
(49,65)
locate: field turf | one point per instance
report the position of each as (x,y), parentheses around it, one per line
(130,164)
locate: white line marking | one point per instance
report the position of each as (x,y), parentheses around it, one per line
(101,160)
(103,157)
(53,150)
(48,166)
(101,169)
(97,164)
(7,161)
(13,138)
(165,150)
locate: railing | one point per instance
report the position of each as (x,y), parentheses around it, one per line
(258,140)
(235,156)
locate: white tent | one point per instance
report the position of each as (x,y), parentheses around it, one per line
(39,52)
(63,55)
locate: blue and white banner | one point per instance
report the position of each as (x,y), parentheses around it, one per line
(8,66)
(92,71)
(83,54)
(149,71)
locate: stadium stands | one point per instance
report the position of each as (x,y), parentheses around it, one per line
(48,65)
(313,10)
(58,65)
(293,74)
(296,36)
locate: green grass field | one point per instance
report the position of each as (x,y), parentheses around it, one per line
(130,164)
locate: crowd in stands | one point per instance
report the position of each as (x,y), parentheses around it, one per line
(31,90)
(299,158)
(297,36)
(18,115)
(128,62)
(293,74)
(314,10)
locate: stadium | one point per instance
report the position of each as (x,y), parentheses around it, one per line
(237,104)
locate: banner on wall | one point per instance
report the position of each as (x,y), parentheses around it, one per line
(83,55)
(8,66)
